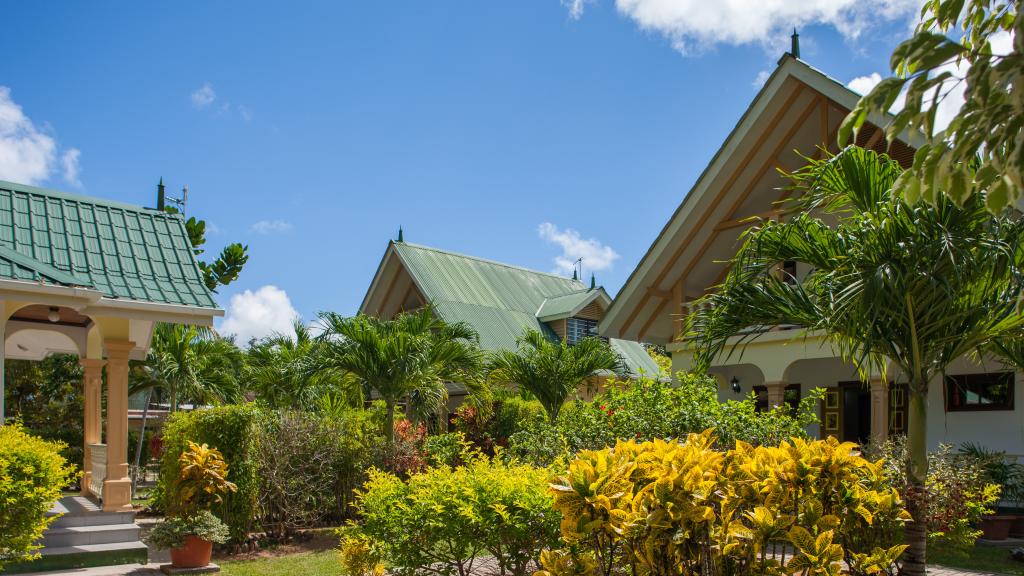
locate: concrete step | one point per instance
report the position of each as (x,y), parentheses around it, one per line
(80,511)
(84,556)
(99,534)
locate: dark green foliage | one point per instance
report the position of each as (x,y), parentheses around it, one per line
(226,267)
(235,431)
(47,397)
(490,426)
(309,466)
(551,371)
(646,409)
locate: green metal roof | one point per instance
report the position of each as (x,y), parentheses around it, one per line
(500,301)
(120,250)
(558,307)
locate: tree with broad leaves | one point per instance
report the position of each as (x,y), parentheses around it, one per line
(990,124)
(226,267)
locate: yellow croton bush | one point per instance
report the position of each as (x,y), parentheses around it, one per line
(682,507)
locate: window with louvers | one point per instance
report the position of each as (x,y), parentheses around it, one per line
(577,329)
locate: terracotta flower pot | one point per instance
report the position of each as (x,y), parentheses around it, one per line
(195,553)
(996,527)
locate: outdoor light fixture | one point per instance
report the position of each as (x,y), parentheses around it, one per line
(54,315)
(735,384)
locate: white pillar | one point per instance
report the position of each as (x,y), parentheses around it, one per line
(776,393)
(879,409)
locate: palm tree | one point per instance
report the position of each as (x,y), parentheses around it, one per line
(189,362)
(911,286)
(552,370)
(286,371)
(412,355)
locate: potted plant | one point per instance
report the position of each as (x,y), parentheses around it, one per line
(189,538)
(191,530)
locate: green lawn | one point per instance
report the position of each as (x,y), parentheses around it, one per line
(982,558)
(323,563)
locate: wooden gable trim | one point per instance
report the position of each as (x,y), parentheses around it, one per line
(779,115)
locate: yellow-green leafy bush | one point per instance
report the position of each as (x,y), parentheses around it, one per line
(659,508)
(32,474)
(445,518)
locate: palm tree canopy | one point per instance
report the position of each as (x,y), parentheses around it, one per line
(912,284)
(286,370)
(412,355)
(552,370)
(190,363)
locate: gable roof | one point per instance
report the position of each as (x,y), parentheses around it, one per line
(558,307)
(688,255)
(500,301)
(122,251)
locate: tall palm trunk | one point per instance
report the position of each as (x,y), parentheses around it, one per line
(917,474)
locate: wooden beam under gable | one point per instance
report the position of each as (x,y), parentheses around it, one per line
(773,122)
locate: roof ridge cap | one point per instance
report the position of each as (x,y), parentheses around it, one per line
(488,261)
(83,199)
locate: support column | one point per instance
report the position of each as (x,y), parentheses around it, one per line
(117,488)
(92,388)
(879,409)
(776,393)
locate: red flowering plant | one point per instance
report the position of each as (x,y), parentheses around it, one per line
(407,455)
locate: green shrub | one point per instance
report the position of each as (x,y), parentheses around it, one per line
(446,518)
(958,491)
(646,409)
(451,449)
(309,466)
(171,533)
(32,475)
(235,431)
(492,426)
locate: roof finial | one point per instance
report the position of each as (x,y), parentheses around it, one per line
(401,237)
(574,276)
(593,281)
(160,198)
(795,48)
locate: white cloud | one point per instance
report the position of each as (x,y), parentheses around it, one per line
(69,164)
(596,256)
(258,314)
(575,7)
(245,111)
(864,84)
(761,78)
(694,25)
(270,226)
(203,96)
(27,154)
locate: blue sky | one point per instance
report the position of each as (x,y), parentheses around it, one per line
(530,132)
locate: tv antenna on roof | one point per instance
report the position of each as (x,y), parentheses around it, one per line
(181,202)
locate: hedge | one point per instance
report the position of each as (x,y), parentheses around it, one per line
(235,431)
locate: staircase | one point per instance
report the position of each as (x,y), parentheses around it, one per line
(85,536)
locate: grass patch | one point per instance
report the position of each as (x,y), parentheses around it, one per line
(981,558)
(322,563)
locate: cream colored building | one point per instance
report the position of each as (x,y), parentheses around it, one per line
(798,110)
(90,277)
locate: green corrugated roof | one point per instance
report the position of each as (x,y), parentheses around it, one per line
(500,301)
(120,250)
(562,306)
